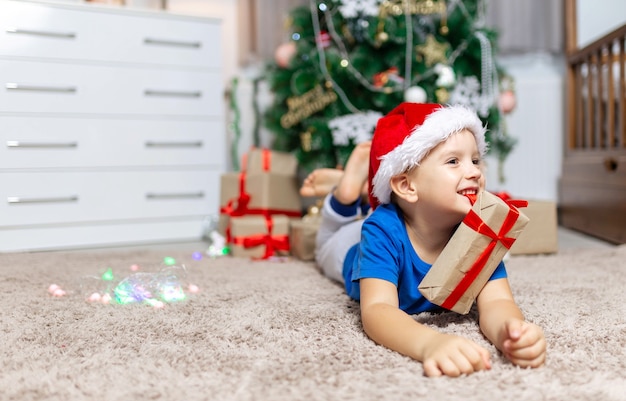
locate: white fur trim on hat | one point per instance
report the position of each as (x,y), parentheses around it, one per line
(437,127)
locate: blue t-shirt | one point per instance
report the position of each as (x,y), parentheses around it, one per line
(385,252)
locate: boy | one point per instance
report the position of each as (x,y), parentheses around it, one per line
(423,163)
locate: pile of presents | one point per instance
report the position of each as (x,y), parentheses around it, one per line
(261,208)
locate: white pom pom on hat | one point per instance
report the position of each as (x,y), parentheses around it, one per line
(406,134)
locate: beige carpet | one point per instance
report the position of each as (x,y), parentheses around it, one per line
(281,331)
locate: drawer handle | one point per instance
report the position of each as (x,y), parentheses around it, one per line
(162,93)
(197,144)
(16,200)
(180,195)
(60,35)
(173,43)
(53,145)
(40,88)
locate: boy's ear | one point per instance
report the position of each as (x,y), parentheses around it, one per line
(403,187)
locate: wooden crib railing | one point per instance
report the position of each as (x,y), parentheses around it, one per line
(596,89)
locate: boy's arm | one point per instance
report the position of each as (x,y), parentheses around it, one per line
(502,322)
(386,324)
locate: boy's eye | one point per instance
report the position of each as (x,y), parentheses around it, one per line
(453,161)
(476,161)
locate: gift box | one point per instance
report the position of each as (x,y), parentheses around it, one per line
(252,193)
(302,235)
(259,237)
(270,161)
(541,233)
(473,253)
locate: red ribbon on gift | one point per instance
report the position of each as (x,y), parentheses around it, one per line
(272,243)
(473,221)
(267,159)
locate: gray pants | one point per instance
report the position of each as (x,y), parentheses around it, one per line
(336,235)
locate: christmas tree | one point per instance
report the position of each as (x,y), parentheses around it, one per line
(351,61)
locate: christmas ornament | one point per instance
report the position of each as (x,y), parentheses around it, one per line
(389,76)
(414,7)
(301,107)
(442,95)
(467,93)
(446,77)
(356,8)
(415,94)
(306,140)
(323,39)
(284,53)
(432,52)
(355,128)
(507,101)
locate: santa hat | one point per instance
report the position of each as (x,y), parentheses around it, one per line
(405,136)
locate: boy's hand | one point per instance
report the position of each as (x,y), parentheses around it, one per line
(523,343)
(452,355)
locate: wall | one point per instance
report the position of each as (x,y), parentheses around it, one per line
(595,18)
(226,10)
(533,168)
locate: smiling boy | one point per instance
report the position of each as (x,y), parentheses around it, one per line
(424,161)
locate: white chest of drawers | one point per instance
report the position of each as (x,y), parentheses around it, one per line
(111,125)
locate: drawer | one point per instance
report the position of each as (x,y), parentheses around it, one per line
(78,33)
(90,197)
(66,88)
(51,237)
(57,142)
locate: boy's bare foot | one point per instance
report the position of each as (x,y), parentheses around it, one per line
(320,182)
(353,182)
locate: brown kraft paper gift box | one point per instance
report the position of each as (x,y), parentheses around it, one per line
(541,233)
(271,161)
(456,278)
(274,193)
(268,191)
(302,236)
(250,236)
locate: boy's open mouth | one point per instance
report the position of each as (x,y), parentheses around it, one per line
(471,194)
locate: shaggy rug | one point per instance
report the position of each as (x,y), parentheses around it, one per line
(279,330)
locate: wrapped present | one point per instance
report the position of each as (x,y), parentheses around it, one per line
(541,233)
(303,233)
(260,237)
(270,161)
(253,193)
(473,253)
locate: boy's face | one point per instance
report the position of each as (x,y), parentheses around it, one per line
(449,172)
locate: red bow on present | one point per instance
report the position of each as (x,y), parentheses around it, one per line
(272,243)
(473,221)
